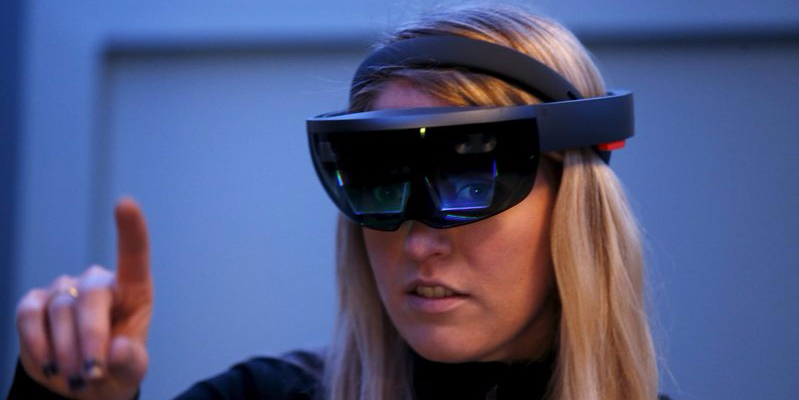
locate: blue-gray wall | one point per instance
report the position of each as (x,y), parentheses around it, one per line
(197,109)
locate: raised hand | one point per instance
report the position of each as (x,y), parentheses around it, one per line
(84,337)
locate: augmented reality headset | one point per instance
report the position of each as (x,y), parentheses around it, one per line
(450,166)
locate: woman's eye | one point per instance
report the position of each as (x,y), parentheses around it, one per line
(474,192)
(385,194)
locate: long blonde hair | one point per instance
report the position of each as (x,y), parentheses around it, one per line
(604,346)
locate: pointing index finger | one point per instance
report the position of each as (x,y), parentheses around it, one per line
(133,263)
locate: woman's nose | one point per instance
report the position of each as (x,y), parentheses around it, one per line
(424,242)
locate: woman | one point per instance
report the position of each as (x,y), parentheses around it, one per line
(471,265)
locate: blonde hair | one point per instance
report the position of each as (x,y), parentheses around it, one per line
(604,346)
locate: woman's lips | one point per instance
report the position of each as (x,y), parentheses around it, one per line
(427,287)
(436,291)
(433,298)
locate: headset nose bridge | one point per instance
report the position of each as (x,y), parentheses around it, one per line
(420,201)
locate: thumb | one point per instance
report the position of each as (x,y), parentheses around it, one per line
(127,360)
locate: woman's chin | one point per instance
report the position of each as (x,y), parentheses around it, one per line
(447,349)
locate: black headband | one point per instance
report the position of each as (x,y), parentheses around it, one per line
(476,55)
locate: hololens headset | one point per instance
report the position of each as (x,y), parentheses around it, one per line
(450,166)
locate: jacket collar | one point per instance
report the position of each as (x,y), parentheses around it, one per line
(481,380)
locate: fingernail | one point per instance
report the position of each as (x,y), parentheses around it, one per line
(76,383)
(93,369)
(49,370)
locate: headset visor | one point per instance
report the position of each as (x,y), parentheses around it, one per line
(443,176)
(451,166)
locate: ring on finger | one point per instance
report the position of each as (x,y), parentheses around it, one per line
(71,291)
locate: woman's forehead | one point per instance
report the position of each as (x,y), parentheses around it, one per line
(403,94)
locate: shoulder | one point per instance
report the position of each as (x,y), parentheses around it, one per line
(295,375)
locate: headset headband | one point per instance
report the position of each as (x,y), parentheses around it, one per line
(476,55)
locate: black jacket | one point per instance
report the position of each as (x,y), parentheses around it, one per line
(297,376)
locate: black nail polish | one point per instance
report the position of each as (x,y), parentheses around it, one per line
(49,370)
(76,383)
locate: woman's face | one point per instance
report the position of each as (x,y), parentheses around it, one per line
(478,292)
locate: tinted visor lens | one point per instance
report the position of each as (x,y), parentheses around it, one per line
(469,188)
(441,176)
(378,199)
